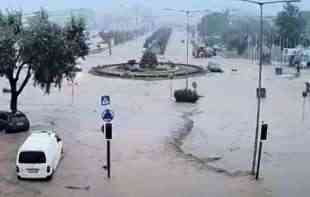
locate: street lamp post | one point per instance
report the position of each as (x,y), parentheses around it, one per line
(187,13)
(261,6)
(187,43)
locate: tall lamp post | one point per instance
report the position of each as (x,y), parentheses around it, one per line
(261,6)
(187,13)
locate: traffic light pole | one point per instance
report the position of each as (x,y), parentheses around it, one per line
(259,159)
(109,158)
(259,88)
(261,5)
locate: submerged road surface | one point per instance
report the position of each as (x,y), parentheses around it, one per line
(161,148)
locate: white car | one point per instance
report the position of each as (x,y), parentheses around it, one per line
(39,156)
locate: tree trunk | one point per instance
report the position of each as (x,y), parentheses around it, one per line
(16,92)
(14,99)
(14,95)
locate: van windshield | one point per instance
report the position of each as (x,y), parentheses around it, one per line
(32,157)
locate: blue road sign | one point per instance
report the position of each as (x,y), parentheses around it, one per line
(105,100)
(107,115)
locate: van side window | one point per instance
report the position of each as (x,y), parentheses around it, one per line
(32,157)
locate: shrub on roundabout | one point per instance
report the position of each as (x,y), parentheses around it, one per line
(186,96)
(149,60)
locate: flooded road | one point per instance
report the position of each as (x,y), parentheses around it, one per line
(224,124)
(161,148)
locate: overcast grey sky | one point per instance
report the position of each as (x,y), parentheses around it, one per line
(116,5)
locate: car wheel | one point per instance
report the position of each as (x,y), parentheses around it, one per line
(7,131)
(50,177)
(19,177)
(27,127)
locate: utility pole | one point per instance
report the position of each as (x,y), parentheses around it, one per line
(261,6)
(187,13)
(187,43)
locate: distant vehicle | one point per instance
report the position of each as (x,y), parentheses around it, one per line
(6,90)
(217,48)
(214,67)
(203,52)
(39,156)
(13,122)
(305,60)
(297,57)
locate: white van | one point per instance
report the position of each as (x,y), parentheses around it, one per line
(39,156)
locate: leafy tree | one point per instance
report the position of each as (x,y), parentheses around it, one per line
(305,37)
(107,38)
(38,49)
(159,39)
(290,24)
(244,32)
(306,16)
(213,24)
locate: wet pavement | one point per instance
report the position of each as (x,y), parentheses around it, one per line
(161,148)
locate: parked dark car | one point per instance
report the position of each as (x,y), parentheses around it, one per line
(13,122)
(6,90)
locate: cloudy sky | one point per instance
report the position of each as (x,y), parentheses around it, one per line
(120,5)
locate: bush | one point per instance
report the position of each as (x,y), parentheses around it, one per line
(186,96)
(149,60)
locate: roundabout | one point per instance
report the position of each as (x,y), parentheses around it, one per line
(163,70)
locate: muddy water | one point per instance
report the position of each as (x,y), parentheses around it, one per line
(224,125)
(145,161)
(224,120)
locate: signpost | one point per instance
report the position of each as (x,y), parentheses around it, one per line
(107,116)
(304,95)
(73,84)
(171,78)
(263,137)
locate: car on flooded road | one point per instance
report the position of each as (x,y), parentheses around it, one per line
(39,156)
(13,122)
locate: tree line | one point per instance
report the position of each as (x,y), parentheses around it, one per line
(291,27)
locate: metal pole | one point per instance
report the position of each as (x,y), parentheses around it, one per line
(259,87)
(249,53)
(187,43)
(108,159)
(256,48)
(281,53)
(271,49)
(288,43)
(303,108)
(259,159)
(137,21)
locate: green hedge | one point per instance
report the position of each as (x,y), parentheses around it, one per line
(186,95)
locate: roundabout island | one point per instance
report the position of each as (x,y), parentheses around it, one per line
(140,71)
(149,68)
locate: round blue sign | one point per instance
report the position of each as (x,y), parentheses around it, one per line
(107,115)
